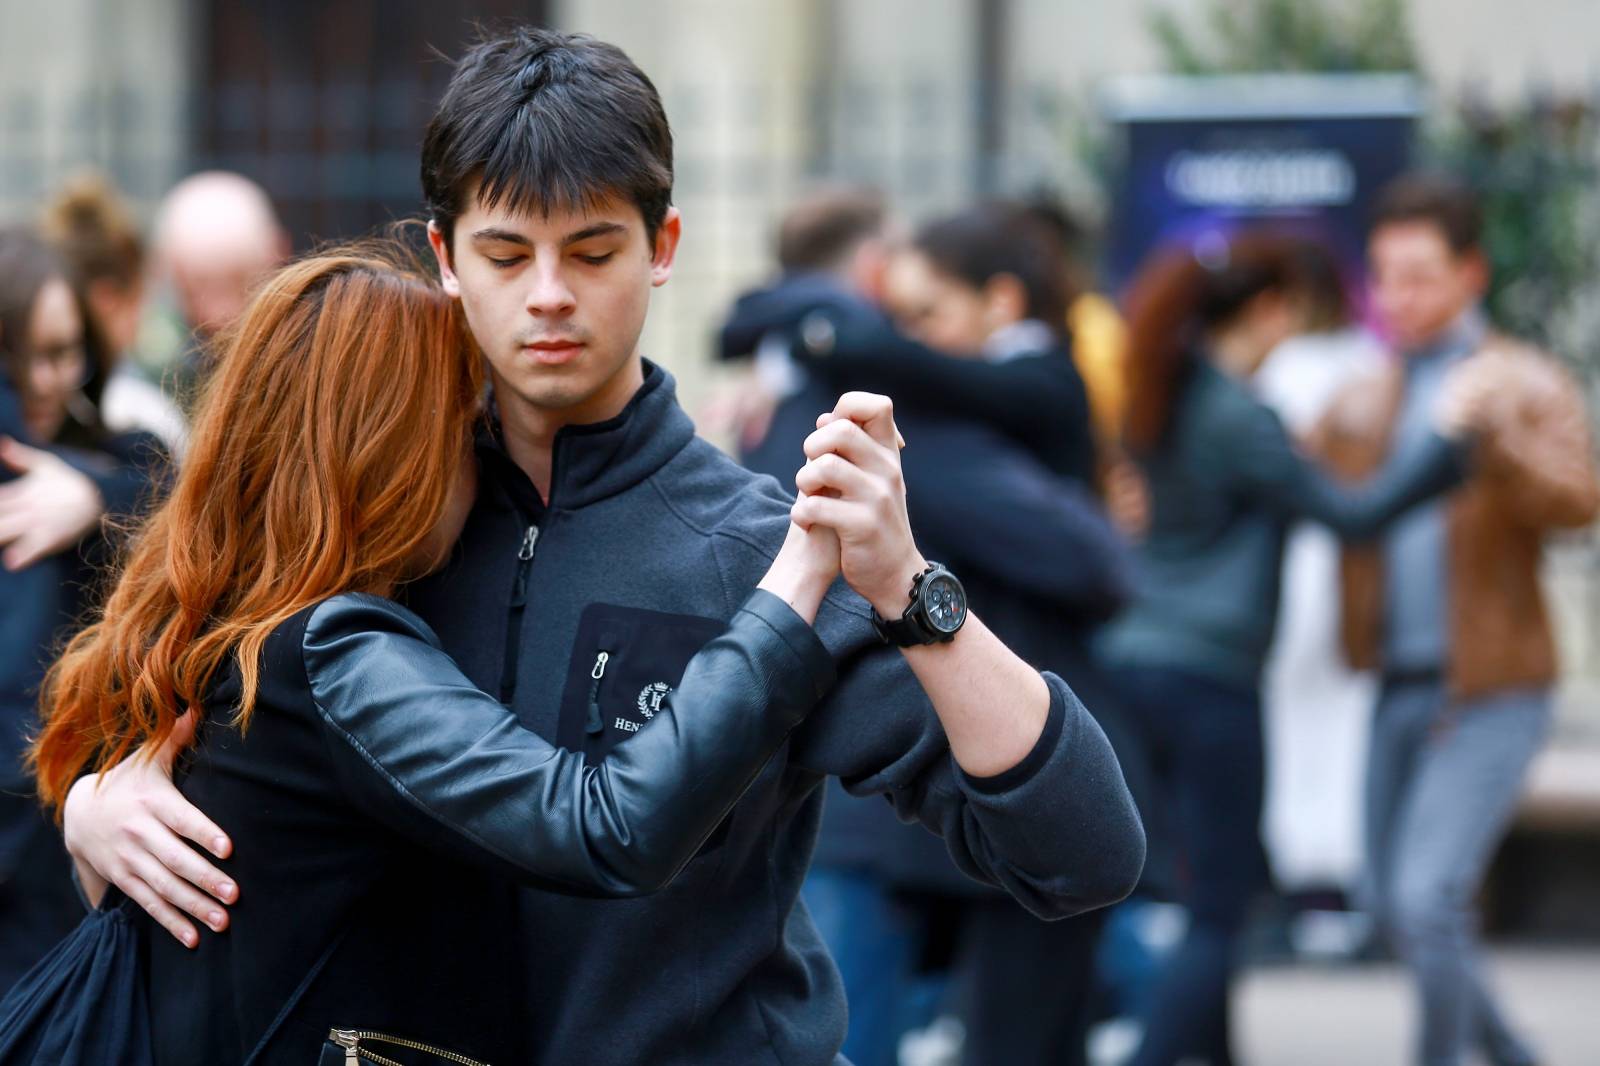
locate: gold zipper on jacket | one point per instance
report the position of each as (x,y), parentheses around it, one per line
(354,1053)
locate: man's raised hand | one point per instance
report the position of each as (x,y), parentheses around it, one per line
(852,484)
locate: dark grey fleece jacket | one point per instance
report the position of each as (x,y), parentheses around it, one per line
(580,615)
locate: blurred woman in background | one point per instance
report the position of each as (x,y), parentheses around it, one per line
(101,245)
(53,492)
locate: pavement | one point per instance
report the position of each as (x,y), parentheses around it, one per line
(1364,1015)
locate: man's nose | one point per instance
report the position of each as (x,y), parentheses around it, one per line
(548,291)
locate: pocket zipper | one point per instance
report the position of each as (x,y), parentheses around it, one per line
(355,1054)
(595,724)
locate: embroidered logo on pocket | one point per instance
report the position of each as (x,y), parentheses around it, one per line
(650,697)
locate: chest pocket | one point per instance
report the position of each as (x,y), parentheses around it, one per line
(625,661)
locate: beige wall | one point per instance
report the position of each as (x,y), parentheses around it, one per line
(733,77)
(1504,49)
(81,81)
(756,90)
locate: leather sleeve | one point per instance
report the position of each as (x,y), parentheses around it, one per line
(1539,455)
(421,750)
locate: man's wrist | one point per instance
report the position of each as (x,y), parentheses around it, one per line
(891,601)
(801,586)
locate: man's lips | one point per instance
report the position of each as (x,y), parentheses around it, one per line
(553,351)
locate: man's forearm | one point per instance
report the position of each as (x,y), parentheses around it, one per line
(993,706)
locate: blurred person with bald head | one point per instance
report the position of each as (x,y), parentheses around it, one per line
(216,234)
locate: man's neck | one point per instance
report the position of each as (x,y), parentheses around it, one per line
(530,431)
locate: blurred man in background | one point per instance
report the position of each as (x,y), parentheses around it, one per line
(1448,606)
(216,235)
(833,246)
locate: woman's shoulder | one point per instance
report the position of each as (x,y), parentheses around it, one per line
(335,628)
(357,617)
(352,634)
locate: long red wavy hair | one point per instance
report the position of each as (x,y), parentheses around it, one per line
(323,452)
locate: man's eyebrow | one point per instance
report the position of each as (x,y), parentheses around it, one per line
(599,229)
(494,233)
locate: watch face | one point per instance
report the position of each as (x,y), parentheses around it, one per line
(945,603)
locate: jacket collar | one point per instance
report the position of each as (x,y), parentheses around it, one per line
(1029,336)
(597,461)
(1460,338)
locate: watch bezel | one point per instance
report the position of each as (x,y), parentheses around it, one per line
(931,578)
(915,626)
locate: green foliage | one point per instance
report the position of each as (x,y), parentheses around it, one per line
(1537,167)
(1259,36)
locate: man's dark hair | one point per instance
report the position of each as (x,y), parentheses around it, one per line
(1001,238)
(821,230)
(546,121)
(1435,199)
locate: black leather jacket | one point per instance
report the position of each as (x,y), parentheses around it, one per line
(369,754)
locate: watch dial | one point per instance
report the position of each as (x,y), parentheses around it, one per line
(945,602)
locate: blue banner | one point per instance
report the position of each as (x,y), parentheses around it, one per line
(1206,156)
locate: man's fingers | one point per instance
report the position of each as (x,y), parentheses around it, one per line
(836,514)
(153,870)
(831,474)
(165,914)
(186,820)
(846,438)
(871,412)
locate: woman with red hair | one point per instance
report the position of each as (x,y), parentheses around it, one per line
(336,740)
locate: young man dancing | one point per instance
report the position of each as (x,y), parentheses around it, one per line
(607,545)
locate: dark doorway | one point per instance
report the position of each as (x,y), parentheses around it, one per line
(324,101)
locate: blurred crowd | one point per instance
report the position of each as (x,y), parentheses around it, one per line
(1277,519)
(1279,529)
(103,333)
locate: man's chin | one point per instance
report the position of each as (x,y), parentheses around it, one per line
(568,389)
(554,388)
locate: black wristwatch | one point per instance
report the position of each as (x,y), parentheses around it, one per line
(938,611)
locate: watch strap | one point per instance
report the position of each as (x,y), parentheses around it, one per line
(902,632)
(911,629)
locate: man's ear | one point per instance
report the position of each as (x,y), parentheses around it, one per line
(441,251)
(666,249)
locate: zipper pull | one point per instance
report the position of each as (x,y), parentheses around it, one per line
(594,724)
(347,1039)
(519,587)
